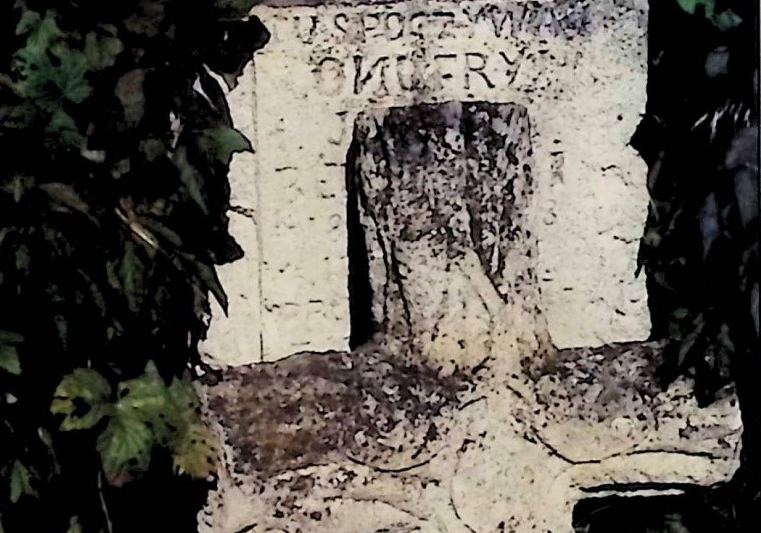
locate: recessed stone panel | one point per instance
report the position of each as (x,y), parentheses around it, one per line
(577,67)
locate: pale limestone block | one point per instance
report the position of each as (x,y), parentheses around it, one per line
(577,67)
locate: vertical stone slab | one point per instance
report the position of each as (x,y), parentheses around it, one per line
(577,66)
(236,339)
(444,192)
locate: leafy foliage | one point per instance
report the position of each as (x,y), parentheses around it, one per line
(115,143)
(723,17)
(701,241)
(700,248)
(146,414)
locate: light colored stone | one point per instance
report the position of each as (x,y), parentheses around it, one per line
(456,454)
(437,425)
(237,338)
(578,67)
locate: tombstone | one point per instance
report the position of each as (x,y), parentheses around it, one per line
(439,422)
(576,67)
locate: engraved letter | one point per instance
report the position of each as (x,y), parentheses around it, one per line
(370,25)
(446,20)
(512,65)
(330,75)
(394,26)
(444,70)
(476,63)
(497,17)
(341,21)
(417,21)
(405,72)
(361,80)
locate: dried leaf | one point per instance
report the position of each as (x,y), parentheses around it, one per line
(102,50)
(66,197)
(196,454)
(147,18)
(131,276)
(129,91)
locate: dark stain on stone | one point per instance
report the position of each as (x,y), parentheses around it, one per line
(311,408)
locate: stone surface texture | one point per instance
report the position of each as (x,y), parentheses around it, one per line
(469,162)
(459,415)
(444,193)
(577,67)
(362,443)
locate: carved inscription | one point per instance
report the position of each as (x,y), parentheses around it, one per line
(504,20)
(346,57)
(393,74)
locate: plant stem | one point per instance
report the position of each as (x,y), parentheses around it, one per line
(103,503)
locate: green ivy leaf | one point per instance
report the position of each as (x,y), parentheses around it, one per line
(61,121)
(140,417)
(195,451)
(160,229)
(23,259)
(62,125)
(42,30)
(125,447)
(221,143)
(82,397)
(10,337)
(20,482)
(74,526)
(690,6)
(191,178)
(143,398)
(29,21)
(9,360)
(231,55)
(726,20)
(182,396)
(71,76)
(208,275)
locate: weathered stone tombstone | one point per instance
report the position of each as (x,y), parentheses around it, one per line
(457,143)
(578,67)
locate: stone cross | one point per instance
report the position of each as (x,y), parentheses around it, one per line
(430,425)
(445,186)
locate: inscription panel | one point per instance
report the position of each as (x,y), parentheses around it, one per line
(579,68)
